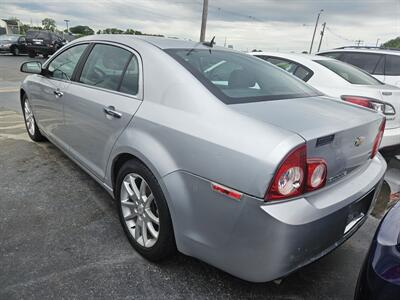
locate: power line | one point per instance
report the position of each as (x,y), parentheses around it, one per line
(338,35)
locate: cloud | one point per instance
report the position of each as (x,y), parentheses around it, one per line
(269,24)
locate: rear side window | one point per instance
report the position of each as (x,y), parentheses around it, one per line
(105,66)
(292,67)
(240,78)
(365,61)
(392,67)
(63,66)
(130,81)
(349,73)
(335,55)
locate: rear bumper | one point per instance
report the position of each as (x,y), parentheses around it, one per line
(260,242)
(391,138)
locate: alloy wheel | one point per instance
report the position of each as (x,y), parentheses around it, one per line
(139,210)
(29,119)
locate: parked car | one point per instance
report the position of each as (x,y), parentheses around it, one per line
(12,43)
(246,168)
(380,275)
(343,81)
(43,42)
(383,64)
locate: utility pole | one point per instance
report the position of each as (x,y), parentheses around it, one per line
(322,35)
(204,21)
(315,29)
(66,22)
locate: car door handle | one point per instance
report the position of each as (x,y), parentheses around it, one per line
(58,93)
(110,110)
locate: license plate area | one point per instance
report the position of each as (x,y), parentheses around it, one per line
(358,210)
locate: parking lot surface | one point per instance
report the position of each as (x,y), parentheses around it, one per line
(60,235)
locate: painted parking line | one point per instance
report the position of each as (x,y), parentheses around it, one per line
(8,90)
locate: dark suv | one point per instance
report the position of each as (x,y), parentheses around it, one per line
(43,42)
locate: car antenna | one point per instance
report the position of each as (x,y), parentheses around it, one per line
(210,43)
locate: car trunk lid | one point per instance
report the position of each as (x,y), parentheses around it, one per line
(341,134)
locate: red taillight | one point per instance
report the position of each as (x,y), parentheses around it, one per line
(365,102)
(375,104)
(378,138)
(289,179)
(316,174)
(297,175)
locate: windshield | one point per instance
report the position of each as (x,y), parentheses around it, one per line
(240,78)
(348,72)
(11,38)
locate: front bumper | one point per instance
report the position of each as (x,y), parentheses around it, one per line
(380,275)
(259,241)
(5,49)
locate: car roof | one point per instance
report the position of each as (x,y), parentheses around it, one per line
(159,42)
(363,50)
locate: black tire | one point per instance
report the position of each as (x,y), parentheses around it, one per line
(15,51)
(37,135)
(31,54)
(165,245)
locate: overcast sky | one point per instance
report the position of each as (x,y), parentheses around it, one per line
(283,25)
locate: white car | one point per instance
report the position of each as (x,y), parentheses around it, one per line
(383,64)
(343,81)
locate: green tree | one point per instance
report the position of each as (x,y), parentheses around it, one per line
(82,30)
(112,31)
(24,28)
(394,43)
(49,24)
(132,31)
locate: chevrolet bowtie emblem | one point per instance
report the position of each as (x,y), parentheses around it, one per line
(359,141)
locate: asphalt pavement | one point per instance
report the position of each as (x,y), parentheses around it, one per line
(60,236)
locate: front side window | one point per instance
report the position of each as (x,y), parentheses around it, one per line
(105,66)
(365,61)
(63,66)
(349,73)
(392,67)
(240,78)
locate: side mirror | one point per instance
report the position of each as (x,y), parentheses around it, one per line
(31,67)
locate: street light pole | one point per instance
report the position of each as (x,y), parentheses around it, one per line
(315,29)
(66,22)
(204,21)
(322,35)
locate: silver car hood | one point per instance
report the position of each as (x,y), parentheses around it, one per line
(330,128)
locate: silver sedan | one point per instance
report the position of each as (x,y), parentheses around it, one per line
(209,151)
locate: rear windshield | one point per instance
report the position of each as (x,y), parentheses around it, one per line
(239,78)
(38,35)
(348,72)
